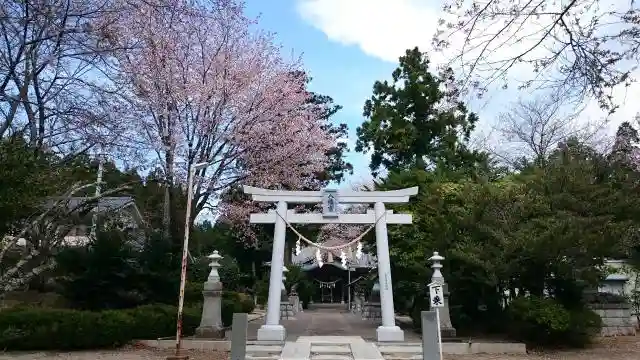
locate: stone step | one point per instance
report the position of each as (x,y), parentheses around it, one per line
(330,349)
(270,357)
(330,340)
(331,357)
(458,348)
(394,349)
(263,350)
(260,347)
(393,343)
(402,357)
(264,342)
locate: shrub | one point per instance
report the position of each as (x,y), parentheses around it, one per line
(246,303)
(155,321)
(306,290)
(193,292)
(544,322)
(229,307)
(60,329)
(420,303)
(584,325)
(34,298)
(262,291)
(31,328)
(104,275)
(233,302)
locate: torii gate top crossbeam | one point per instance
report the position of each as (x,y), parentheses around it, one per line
(344,196)
(295,218)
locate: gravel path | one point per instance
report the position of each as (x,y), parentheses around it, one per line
(621,348)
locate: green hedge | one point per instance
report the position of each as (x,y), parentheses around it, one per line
(32,328)
(25,328)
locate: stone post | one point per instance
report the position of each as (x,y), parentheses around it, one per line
(211,322)
(239,336)
(286,308)
(446,327)
(430,336)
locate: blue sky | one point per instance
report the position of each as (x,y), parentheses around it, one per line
(347,45)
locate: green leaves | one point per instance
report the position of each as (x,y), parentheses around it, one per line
(414,122)
(544,231)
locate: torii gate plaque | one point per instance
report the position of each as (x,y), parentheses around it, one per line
(273,330)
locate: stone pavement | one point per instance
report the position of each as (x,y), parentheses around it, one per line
(329,321)
(333,333)
(330,348)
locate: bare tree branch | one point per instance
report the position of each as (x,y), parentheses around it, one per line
(582,48)
(533,128)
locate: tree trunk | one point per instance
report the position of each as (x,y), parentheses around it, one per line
(255,282)
(168,193)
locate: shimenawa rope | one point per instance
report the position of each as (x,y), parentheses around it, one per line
(331,248)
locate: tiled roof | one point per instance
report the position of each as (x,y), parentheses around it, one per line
(107,203)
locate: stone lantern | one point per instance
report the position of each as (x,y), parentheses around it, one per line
(286,307)
(372,309)
(211,321)
(446,327)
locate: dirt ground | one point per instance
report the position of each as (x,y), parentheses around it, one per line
(621,348)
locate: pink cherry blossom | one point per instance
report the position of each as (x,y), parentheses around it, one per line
(205,86)
(340,234)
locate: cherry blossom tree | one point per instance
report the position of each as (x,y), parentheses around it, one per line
(331,235)
(578,48)
(205,86)
(625,151)
(53,83)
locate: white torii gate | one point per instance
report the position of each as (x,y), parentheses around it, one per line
(273,330)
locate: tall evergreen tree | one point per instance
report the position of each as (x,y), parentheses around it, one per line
(417,120)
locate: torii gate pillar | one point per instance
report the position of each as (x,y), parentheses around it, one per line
(272,330)
(388,331)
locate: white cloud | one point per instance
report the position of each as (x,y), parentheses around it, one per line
(380,28)
(384,29)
